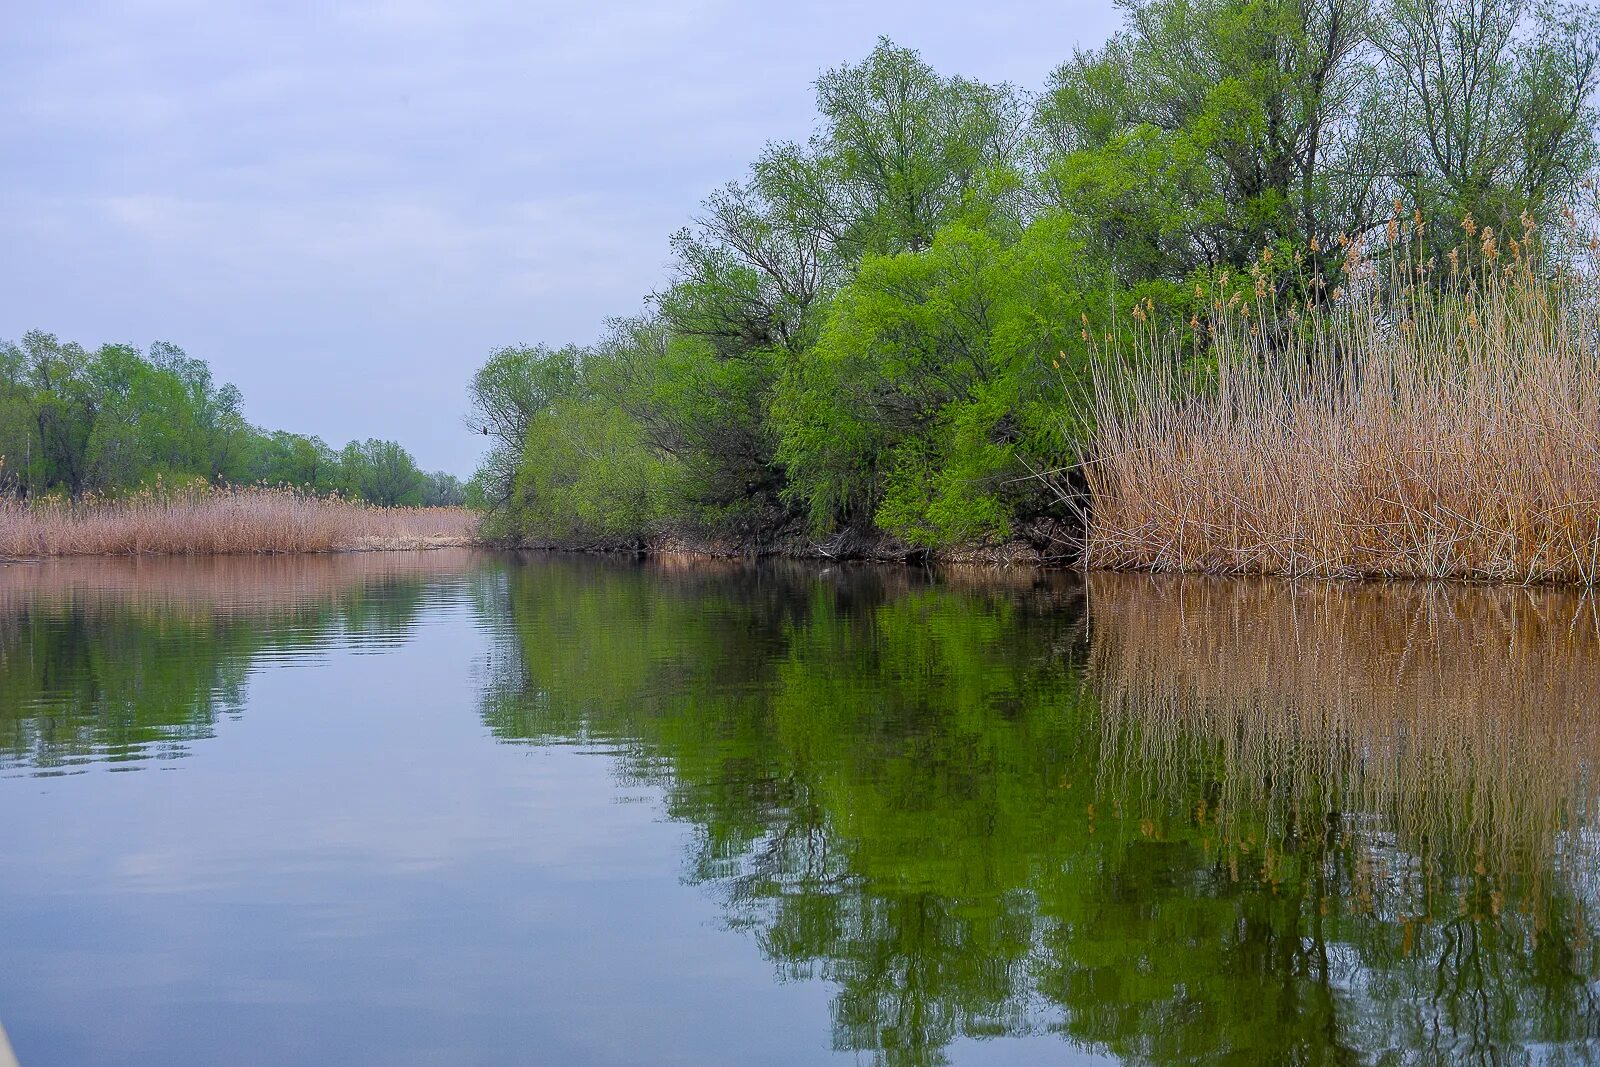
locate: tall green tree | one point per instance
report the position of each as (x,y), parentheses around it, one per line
(381,472)
(507,393)
(1491,106)
(297,460)
(901,151)
(1207,130)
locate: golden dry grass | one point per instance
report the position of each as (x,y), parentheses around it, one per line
(1444,429)
(206,521)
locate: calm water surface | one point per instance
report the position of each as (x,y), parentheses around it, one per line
(452,808)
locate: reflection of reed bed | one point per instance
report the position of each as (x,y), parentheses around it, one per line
(1457,724)
(205,521)
(125,659)
(218,585)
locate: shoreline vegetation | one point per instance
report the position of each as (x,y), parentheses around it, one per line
(223,521)
(1409,427)
(82,429)
(126,451)
(1257,287)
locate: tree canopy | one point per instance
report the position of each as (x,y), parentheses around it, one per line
(75,421)
(888,327)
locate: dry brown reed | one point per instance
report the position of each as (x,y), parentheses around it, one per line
(1418,420)
(1454,723)
(209,521)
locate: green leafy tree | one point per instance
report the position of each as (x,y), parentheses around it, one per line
(592,467)
(60,408)
(902,151)
(443,490)
(507,393)
(381,472)
(1207,130)
(1491,106)
(943,385)
(292,459)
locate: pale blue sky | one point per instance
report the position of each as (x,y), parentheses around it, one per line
(343,207)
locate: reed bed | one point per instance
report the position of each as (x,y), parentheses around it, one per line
(1419,420)
(1452,723)
(217,521)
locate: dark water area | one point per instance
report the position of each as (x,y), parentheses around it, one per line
(464,808)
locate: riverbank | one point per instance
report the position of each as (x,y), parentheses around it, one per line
(230,521)
(1053,545)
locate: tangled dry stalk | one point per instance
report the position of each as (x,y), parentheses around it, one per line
(1426,420)
(206,521)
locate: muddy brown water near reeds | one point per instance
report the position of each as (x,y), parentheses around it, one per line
(457,807)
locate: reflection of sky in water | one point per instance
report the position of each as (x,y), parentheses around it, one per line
(351,876)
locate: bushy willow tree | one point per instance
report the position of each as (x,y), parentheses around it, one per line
(937,387)
(901,153)
(284,458)
(1207,130)
(381,472)
(886,326)
(507,393)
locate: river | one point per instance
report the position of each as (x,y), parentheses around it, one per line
(470,808)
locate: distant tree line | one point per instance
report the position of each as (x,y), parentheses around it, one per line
(75,421)
(886,327)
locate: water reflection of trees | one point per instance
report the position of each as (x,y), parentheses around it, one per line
(127,659)
(1193,820)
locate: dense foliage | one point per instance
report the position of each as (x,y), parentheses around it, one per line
(887,328)
(75,421)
